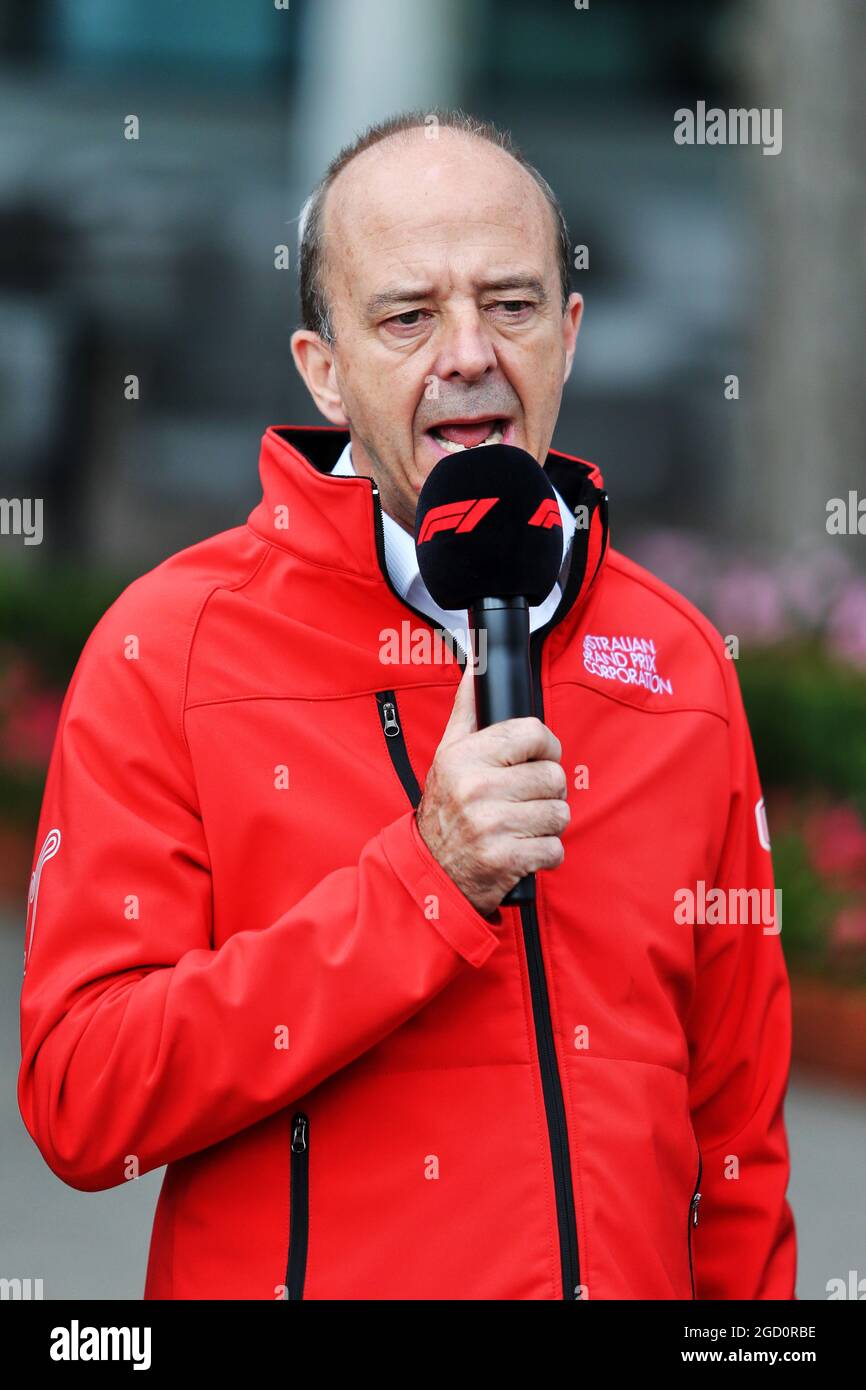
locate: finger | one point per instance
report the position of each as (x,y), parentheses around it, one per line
(462,720)
(523,819)
(514,741)
(532,781)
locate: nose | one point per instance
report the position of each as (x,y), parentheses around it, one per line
(465,347)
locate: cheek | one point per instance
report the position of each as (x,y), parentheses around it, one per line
(553,373)
(537,377)
(379,393)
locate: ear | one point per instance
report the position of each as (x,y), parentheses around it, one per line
(315,363)
(570,329)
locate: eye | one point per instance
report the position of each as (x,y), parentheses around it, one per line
(514,309)
(410,318)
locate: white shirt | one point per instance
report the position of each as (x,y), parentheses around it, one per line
(402,565)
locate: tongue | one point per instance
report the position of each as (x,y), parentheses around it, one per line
(467,435)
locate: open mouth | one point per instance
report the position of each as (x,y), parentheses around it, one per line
(454,435)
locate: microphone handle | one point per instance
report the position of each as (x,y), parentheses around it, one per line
(499,631)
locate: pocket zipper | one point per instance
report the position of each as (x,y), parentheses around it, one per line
(299,1207)
(693,1220)
(389,717)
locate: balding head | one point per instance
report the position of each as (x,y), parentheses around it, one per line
(434,282)
(314,232)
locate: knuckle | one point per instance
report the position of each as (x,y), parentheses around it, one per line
(551,851)
(554,780)
(528,730)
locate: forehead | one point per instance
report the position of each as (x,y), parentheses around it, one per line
(439,206)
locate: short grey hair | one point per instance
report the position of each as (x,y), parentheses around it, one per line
(315,309)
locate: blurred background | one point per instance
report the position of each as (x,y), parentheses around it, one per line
(718,384)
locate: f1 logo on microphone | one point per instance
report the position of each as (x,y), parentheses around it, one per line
(465,516)
(546,514)
(455,516)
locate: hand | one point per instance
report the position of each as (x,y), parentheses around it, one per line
(494,802)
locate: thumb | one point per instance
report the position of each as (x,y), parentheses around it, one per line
(463,720)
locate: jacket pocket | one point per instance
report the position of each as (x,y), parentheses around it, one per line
(693,1219)
(299,1206)
(389,718)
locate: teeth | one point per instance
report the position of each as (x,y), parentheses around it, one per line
(495,437)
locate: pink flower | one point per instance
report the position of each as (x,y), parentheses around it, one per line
(849,928)
(836,839)
(17,677)
(846,628)
(28,712)
(750,603)
(811,584)
(679,558)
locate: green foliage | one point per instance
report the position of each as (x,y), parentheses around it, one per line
(48,612)
(807,714)
(46,615)
(20,797)
(810,905)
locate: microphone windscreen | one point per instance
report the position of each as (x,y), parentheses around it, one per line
(488,525)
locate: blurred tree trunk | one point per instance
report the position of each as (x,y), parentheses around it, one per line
(806,425)
(363,61)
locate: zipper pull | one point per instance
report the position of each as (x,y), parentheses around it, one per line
(695,1200)
(299,1134)
(389,714)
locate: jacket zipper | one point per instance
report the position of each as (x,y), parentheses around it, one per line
(693,1219)
(386,703)
(551,1082)
(550,1079)
(299,1207)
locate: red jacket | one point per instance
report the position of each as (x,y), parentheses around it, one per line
(242,960)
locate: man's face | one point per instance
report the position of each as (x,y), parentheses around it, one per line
(442,277)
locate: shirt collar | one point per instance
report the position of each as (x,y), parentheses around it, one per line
(400,555)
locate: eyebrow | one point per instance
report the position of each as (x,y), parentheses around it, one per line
(403,294)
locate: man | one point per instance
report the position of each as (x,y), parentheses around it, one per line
(266,944)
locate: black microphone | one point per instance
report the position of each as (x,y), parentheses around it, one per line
(488,537)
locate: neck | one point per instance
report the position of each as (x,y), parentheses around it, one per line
(399,505)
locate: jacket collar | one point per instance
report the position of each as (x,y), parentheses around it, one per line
(334,521)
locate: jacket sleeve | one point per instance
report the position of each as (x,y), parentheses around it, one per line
(740,1048)
(140,1043)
